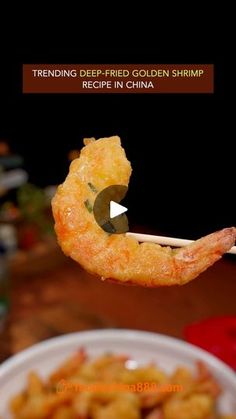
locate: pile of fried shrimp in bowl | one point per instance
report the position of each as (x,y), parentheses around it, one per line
(110,388)
(116,374)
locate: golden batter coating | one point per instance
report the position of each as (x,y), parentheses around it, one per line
(103,163)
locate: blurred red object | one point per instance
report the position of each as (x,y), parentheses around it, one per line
(216,335)
(28,237)
(4,148)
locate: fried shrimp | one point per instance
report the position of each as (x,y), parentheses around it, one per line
(103,163)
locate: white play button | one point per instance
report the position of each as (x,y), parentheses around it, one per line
(116,209)
(107,211)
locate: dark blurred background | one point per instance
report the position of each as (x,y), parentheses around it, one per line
(179,145)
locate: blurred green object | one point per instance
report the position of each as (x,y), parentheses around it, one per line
(4,288)
(11,161)
(31,200)
(33,205)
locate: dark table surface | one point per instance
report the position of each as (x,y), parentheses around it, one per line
(65,298)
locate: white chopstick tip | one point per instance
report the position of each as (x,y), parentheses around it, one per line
(166,241)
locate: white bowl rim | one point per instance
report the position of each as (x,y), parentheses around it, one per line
(117,334)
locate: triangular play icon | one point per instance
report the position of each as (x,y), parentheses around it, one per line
(116,209)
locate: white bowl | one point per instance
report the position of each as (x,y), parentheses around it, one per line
(144,347)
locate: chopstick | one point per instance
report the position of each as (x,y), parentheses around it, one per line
(166,241)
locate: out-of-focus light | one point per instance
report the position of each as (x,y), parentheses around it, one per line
(4,148)
(13,179)
(131,364)
(73,154)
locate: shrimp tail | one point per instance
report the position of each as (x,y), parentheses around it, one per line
(198,256)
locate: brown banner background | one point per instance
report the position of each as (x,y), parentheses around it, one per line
(202,84)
